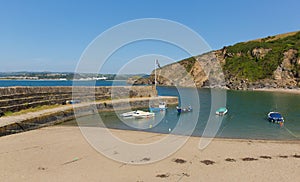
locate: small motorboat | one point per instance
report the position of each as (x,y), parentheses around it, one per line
(143,114)
(221,111)
(161,107)
(138,114)
(181,110)
(128,114)
(275,117)
(71,102)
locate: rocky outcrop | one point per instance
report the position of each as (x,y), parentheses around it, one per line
(208,71)
(189,73)
(285,76)
(271,62)
(287,72)
(260,53)
(199,71)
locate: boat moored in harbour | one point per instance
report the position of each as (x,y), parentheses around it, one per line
(275,117)
(187,109)
(138,114)
(143,114)
(222,111)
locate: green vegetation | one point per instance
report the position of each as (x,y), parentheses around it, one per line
(188,63)
(33,109)
(241,62)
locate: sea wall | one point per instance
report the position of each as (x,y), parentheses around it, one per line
(14,99)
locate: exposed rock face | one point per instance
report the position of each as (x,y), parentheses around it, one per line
(289,60)
(187,74)
(243,66)
(207,71)
(212,67)
(203,70)
(285,74)
(259,53)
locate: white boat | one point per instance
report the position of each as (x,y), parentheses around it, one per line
(100,78)
(138,114)
(142,114)
(128,114)
(91,78)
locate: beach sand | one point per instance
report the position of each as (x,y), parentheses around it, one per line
(61,153)
(279,90)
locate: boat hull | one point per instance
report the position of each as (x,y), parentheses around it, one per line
(156,109)
(143,115)
(181,110)
(221,111)
(275,117)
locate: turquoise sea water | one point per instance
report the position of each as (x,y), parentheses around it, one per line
(246,117)
(11,83)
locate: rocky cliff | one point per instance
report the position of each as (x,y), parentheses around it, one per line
(272,62)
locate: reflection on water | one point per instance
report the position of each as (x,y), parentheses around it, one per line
(246,117)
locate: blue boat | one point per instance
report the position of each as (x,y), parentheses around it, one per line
(275,117)
(187,109)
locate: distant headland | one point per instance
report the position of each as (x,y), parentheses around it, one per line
(63,76)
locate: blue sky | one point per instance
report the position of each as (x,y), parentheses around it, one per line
(51,35)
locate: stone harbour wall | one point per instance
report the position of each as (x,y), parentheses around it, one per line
(14,99)
(64,113)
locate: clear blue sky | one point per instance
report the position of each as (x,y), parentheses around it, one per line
(51,35)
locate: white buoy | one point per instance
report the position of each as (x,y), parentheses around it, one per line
(169,129)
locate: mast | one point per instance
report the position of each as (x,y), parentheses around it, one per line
(155,72)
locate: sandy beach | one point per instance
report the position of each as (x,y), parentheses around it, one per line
(279,90)
(61,153)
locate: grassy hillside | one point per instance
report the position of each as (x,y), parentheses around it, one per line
(241,61)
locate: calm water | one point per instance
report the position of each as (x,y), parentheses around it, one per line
(11,83)
(246,117)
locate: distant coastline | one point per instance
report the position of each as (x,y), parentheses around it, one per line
(63,82)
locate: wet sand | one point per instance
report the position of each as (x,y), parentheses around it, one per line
(279,90)
(61,153)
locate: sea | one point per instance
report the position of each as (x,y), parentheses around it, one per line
(246,117)
(37,83)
